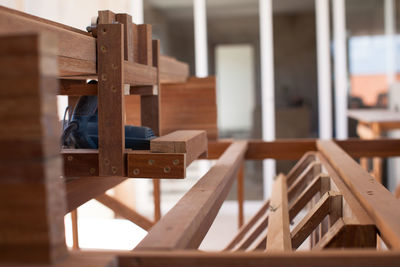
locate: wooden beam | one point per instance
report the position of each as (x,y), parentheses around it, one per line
(172,70)
(299,167)
(217,148)
(111,99)
(75,232)
(379,203)
(278,228)
(313,170)
(122,210)
(136,74)
(193,143)
(186,224)
(258,228)
(279,149)
(128,34)
(240,196)
(77,88)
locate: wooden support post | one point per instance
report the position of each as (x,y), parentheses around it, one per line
(278,228)
(128,33)
(32,194)
(157,199)
(75,232)
(111,99)
(240,195)
(313,170)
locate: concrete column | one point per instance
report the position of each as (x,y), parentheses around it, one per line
(324,69)
(200,37)
(267,87)
(341,81)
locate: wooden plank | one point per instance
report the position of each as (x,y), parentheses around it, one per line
(75,232)
(328,258)
(357,148)
(193,143)
(80,162)
(217,148)
(313,170)
(122,210)
(280,149)
(144,90)
(278,228)
(320,184)
(186,224)
(128,35)
(142,164)
(157,199)
(111,99)
(136,74)
(258,228)
(313,218)
(379,203)
(31,191)
(77,88)
(299,167)
(172,70)
(247,227)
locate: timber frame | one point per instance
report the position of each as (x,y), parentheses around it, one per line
(345,207)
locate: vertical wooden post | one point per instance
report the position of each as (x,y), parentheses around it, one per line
(75,236)
(126,20)
(157,199)
(110,50)
(240,194)
(32,194)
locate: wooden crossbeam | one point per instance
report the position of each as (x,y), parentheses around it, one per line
(380,204)
(172,70)
(186,224)
(299,167)
(253,233)
(295,189)
(121,209)
(278,228)
(314,217)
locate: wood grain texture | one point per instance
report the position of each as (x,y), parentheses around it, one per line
(128,35)
(172,70)
(77,88)
(123,210)
(193,143)
(32,194)
(379,203)
(186,224)
(111,99)
(278,227)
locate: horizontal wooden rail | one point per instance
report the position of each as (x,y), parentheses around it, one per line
(172,70)
(186,224)
(378,202)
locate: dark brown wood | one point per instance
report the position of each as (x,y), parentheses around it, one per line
(77,88)
(144,33)
(240,196)
(32,194)
(111,99)
(279,149)
(128,35)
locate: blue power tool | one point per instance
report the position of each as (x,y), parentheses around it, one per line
(82,130)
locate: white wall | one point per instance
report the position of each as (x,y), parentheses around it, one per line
(235,87)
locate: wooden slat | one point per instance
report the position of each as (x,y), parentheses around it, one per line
(217,148)
(157,199)
(111,99)
(77,88)
(313,218)
(186,224)
(259,227)
(240,196)
(193,143)
(357,148)
(299,167)
(136,74)
(80,162)
(122,210)
(313,170)
(128,35)
(172,70)
(142,164)
(278,228)
(280,149)
(320,184)
(144,32)
(380,204)
(75,231)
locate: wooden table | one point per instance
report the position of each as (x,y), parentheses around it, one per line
(372,123)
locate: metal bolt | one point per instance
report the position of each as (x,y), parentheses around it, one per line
(92,170)
(151,161)
(70,158)
(167,169)
(103,48)
(175,162)
(136,171)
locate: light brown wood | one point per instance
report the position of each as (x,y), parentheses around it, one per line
(299,167)
(136,74)
(172,70)
(295,189)
(253,233)
(193,143)
(144,33)
(75,232)
(278,227)
(32,194)
(280,149)
(380,204)
(110,99)
(240,195)
(157,199)
(128,213)
(186,224)
(248,226)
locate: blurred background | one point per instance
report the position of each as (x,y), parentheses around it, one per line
(294,78)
